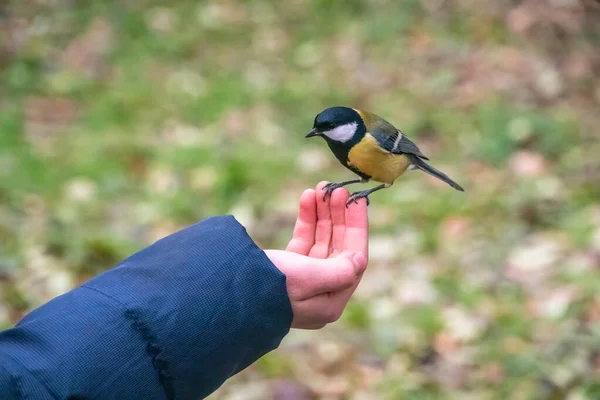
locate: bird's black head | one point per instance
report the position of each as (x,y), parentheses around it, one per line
(338,124)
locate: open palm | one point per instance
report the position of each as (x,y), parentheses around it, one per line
(327,228)
(326,257)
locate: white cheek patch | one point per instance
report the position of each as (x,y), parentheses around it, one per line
(342,133)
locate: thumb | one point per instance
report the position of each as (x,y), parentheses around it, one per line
(336,273)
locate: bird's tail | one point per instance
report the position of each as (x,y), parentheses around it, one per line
(423,166)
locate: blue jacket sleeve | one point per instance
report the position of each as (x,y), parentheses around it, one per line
(173,321)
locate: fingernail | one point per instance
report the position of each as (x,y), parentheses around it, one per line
(360,263)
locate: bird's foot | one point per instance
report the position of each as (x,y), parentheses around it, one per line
(359,195)
(329,188)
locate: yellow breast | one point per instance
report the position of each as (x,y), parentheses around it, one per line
(376,162)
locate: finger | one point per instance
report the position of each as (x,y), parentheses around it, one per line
(338,219)
(330,275)
(323,231)
(303,237)
(341,298)
(356,238)
(356,235)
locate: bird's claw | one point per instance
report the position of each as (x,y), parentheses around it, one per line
(358,195)
(329,188)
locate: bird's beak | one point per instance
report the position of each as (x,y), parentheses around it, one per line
(313,132)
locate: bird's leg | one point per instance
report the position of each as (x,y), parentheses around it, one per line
(365,193)
(330,187)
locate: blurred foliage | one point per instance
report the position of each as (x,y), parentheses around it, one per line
(121,122)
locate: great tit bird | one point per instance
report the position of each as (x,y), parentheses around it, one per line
(371,147)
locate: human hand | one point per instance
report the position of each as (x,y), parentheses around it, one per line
(326,257)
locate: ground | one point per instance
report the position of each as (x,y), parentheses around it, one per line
(121,122)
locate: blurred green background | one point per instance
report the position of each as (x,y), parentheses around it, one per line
(121,122)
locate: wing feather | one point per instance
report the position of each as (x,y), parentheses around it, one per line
(398,143)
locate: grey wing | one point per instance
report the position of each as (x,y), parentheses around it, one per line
(398,143)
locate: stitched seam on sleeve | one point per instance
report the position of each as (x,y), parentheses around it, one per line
(18,388)
(152,348)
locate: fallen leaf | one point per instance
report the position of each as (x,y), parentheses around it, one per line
(445,343)
(461,325)
(577,65)
(287,389)
(80,190)
(528,164)
(494,372)
(203,178)
(531,262)
(412,291)
(163,179)
(47,116)
(85,54)
(161,19)
(521,18)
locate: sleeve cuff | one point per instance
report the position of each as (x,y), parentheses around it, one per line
(208,301)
